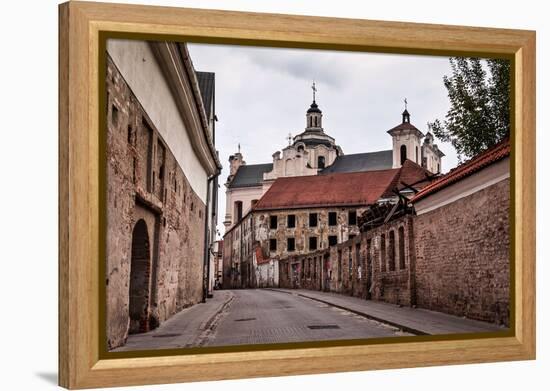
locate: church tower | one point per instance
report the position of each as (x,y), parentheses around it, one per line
(407,141)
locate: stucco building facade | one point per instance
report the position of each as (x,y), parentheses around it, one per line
(161,170)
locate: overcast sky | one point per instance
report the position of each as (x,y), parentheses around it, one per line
(262,95)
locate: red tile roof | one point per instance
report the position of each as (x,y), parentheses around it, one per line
(413,175)
(477,163)
(342,189)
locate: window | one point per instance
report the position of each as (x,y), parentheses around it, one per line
(313,242)
(238,210)
(130,134)
(383,252)
(403,154)
(392,251)
(332,220)
(272,244)
(352,217)
(351,236)
(417,154)
(114,115)
(321,162)
(401,237)
(290,244)
(273,222)
(332,240)
(313,219)
(291,221)
(350,264)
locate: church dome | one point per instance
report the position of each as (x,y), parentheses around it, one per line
(314,108)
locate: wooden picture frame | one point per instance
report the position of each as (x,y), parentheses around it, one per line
(82,24)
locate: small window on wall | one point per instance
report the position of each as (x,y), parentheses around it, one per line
(403,154)
(332,218)
(238,210)
(352,217)
(114,115)
(313,243)
(290,244)
(291,221)
(321,162)
(272,244)
(273,222)
(332,240)
(313,219)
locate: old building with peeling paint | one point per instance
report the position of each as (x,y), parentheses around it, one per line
(161,185)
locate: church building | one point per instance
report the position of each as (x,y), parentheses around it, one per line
(309,197)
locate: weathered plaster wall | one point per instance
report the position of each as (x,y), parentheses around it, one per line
(145,182)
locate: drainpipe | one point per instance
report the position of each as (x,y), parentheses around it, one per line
(206,261)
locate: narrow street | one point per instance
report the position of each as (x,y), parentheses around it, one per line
(258,316)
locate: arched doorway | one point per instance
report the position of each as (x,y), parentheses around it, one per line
(140,271)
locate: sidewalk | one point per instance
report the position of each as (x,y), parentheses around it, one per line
(188,328)
(413,320)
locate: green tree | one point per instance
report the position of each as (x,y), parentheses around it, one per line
(479,116)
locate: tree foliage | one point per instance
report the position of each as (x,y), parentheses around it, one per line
(479,116)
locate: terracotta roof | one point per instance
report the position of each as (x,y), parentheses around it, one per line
(357,188)
(413,175)
(477,163)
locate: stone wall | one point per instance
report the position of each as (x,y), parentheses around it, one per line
(155,222)
(463,252)
(454,259)
(361,267)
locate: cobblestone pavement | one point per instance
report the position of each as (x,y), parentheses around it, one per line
(235,317)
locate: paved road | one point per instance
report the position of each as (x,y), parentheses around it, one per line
(264,316)
(235,317)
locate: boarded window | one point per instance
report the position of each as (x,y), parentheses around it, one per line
(332,240)
(313,219)
(291,221)
(313,243)
(290,244)
(273,222)
(272,244)
(352,217)
(332,218)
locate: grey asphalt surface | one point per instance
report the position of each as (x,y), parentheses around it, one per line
(260,316)
(257,316)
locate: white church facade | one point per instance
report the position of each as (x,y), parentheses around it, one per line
(314,152)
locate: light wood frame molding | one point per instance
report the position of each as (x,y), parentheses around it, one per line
(80,361)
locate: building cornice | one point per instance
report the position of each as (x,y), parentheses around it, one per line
(177,68)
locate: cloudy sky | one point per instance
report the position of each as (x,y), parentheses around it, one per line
(262,95)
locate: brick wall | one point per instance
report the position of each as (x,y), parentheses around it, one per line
(144,182)
(463,251)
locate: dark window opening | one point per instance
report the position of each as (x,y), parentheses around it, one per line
(290,244)
(403,154)
(238,210)
(392,251)
(352,217)
(114,115)
(321,162)
(351,236)
(332,218)
(332,240)
(313,243)
(417,154)
(313,219)
(291,221)
(273,222)
(130,131)
(272,244)
(401,237)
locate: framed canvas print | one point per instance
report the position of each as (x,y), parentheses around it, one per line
(247,195)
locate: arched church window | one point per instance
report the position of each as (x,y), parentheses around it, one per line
(315,118)
(403,154)
(321,162)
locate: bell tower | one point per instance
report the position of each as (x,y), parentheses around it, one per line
(314,115)
(407,141)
